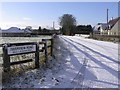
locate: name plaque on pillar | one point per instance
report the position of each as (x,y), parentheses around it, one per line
(21,49)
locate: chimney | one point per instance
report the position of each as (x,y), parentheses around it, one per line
(112,18)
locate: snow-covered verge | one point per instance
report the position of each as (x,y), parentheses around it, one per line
(58,74)
(77,63)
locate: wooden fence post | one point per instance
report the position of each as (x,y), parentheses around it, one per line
(6,58)
(52,47)
(46,52)
(37,56)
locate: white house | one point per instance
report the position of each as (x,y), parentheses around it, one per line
(100,28)
(114,26)
(110,28)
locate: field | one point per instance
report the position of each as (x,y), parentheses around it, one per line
(22,39)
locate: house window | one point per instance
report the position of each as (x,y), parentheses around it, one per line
(98,28)
(109,27)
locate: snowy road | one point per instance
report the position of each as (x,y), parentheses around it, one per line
(101,67)
(78,63)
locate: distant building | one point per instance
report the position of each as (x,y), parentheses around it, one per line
(14,31)
(110,28)
(101,28)
(28,28)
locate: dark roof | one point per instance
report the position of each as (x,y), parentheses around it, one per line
(113,21)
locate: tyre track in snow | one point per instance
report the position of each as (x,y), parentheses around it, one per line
(105,47)
(80,75)
(111,71)
(96,54)
(102,55)
(97,44)
(81,65)
(79,78)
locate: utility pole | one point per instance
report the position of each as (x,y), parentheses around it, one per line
(107,16)
(53,25)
